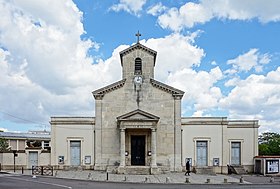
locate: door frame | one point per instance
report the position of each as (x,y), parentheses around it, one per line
(80,153)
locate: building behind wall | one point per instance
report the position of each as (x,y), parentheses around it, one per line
(31,149)
(138,128)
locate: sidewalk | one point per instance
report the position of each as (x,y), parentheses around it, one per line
(161,178)
(177,178)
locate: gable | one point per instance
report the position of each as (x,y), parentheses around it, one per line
(138,46)
(137,119)
(138,115)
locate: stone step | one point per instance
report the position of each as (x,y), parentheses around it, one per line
(138,170)
(239,170)
(205,170)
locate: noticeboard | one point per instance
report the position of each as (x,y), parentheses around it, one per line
(272,166)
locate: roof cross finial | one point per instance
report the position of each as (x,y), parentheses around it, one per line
(138,35)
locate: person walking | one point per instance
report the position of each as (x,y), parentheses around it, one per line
(188,168)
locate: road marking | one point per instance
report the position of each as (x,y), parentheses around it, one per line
(8,175)
(47,183)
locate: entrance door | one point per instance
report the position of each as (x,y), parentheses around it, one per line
(75,153)
(33,159)
(201,151)
(138,150)
(258,166)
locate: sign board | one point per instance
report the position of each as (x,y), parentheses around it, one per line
(272,166)
(87,159)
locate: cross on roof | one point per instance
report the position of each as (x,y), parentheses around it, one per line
(138,35)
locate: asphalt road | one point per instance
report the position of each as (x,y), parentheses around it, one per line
(8,181)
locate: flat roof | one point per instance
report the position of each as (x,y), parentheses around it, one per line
(9,135)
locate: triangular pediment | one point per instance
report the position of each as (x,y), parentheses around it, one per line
(138,46)
(138,115)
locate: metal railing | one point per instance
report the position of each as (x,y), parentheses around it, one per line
(42,170)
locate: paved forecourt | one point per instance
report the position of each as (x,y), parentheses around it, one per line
(176,178)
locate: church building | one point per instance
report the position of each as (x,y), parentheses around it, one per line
(138,128)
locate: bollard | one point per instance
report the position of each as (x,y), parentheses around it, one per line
(208,180)
(107,176)
(225,180)
(89,175)
(167,180)
(0,167)
(146,179)
(125,178)
(271,179)
(241,180)
(21,170)
(187,180)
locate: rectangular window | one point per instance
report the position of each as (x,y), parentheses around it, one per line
(236,153)
(138,66)
(13,144)
(46,144)
(21,144)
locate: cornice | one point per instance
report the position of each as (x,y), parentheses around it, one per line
(99,93)
(176,93)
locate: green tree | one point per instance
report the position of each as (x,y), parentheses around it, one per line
(269,143)
(3,144)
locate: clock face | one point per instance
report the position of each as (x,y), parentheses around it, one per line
(138,79)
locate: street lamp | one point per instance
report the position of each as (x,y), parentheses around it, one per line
(15,155)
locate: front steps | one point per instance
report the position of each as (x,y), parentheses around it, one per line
(205,170)
(239,170)
(138,170)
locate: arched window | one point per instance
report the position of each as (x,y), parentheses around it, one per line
(138,66)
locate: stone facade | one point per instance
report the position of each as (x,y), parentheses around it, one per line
(138,128)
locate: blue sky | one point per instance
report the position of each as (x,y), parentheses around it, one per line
(224,54)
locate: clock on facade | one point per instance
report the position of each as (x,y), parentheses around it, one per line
(138,79)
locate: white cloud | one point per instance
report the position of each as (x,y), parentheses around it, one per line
(256,97)
(130,6)
(199,87)
(49,71)
(232,82)
(175,52)
(214,63)
(44,64)
(186,16)
(157,9)
(246,62)
(52,73)
(3,129)
(191,14)
(264,11)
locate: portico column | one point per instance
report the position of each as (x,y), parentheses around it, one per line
(154,148)
(122,148)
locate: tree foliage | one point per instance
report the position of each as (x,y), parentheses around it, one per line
(3,145)
(269,143)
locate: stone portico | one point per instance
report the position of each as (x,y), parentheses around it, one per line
(138,127)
